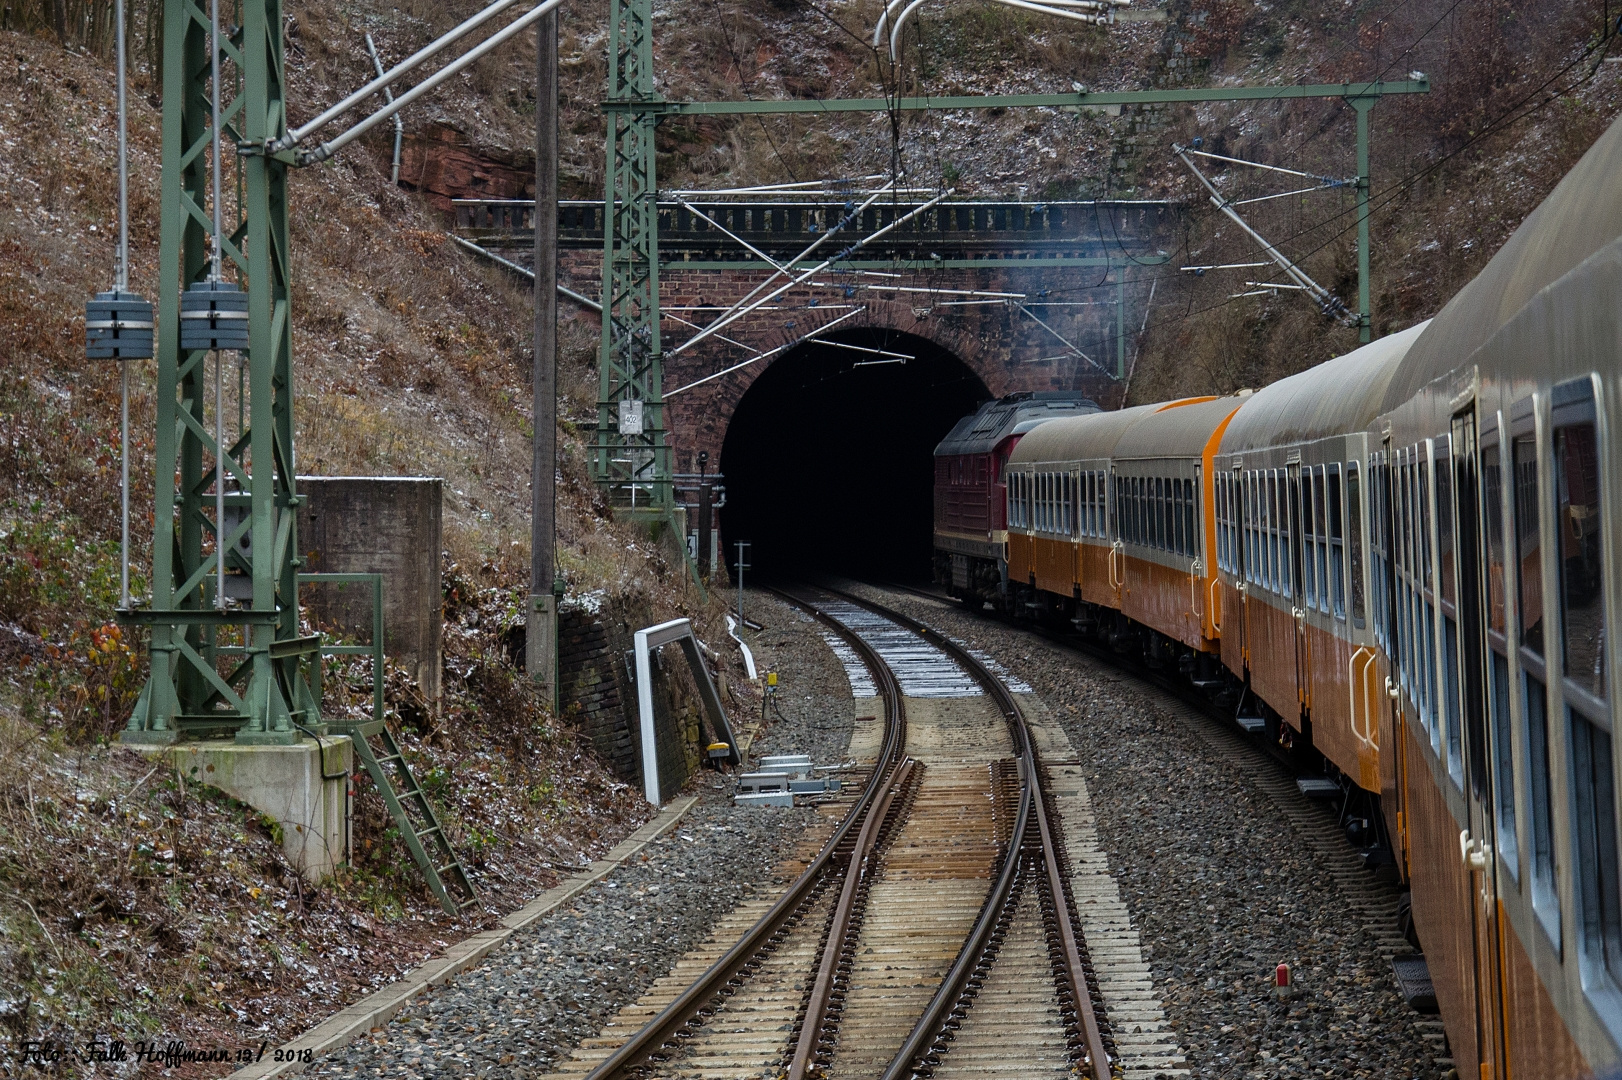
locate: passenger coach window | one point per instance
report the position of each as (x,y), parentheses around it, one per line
(1379,495)
(1178,536)
(1452,706)
(1582,626)
(1582,610)
(1535,702)
(1168,515)
(1544,900)
(1274,579)
(1427,595)
(1309,545)
(1503,746)
(1230,485)
(1223,493)
(1101,518)
(1282,517)
(1492,493)
(1354,529)
(1528,558)
(1157,513)
(1255,553)
(1337,547)
(1599,909)
(1191,504)
(1402,563)
(1103,509)
(1320,534)
(1179,505)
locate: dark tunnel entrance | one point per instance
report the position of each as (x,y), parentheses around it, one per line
(829,456)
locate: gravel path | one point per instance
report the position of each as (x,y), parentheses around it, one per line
(559,981)
(1218,883)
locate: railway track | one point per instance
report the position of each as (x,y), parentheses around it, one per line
(935,933)
(1374,903)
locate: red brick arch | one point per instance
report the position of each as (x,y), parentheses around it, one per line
(998,343)
(990,341)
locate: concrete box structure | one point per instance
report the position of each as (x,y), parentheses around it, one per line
(304,788)
(389,525)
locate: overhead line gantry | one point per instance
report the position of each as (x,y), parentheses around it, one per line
(629,453)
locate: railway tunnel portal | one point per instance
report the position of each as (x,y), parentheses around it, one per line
(820,407)
(827,456)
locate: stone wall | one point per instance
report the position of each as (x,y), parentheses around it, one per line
(389,525)
(597,693)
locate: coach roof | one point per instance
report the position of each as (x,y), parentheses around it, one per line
(1175,430)
(1085,438)
(1581,215)
(1338,396)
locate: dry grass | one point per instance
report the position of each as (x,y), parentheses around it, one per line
(137,905)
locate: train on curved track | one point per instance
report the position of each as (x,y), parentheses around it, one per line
(1398,566)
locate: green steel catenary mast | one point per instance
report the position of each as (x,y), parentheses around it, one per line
(263,693)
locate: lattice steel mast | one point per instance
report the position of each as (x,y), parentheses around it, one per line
(264,692)
(629,455)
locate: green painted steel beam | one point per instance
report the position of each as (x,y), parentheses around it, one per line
(267,694)
(630,457)
(922,264)
(1082,100)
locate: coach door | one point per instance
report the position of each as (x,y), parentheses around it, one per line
(1465,618)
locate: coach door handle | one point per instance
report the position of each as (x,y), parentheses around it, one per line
(1391,690)
(1473,853)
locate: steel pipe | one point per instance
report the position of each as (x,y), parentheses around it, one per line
(473,55)
(294,137)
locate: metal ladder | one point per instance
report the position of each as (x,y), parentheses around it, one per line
(423,833)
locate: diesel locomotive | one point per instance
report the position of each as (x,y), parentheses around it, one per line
(1401,565)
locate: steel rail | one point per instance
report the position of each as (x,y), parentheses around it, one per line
(812,1023)
(1123,662)
(1032,804)
(921,1041)
(722,977)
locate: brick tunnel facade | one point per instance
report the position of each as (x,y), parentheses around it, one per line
(978,300)
(1006,348)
